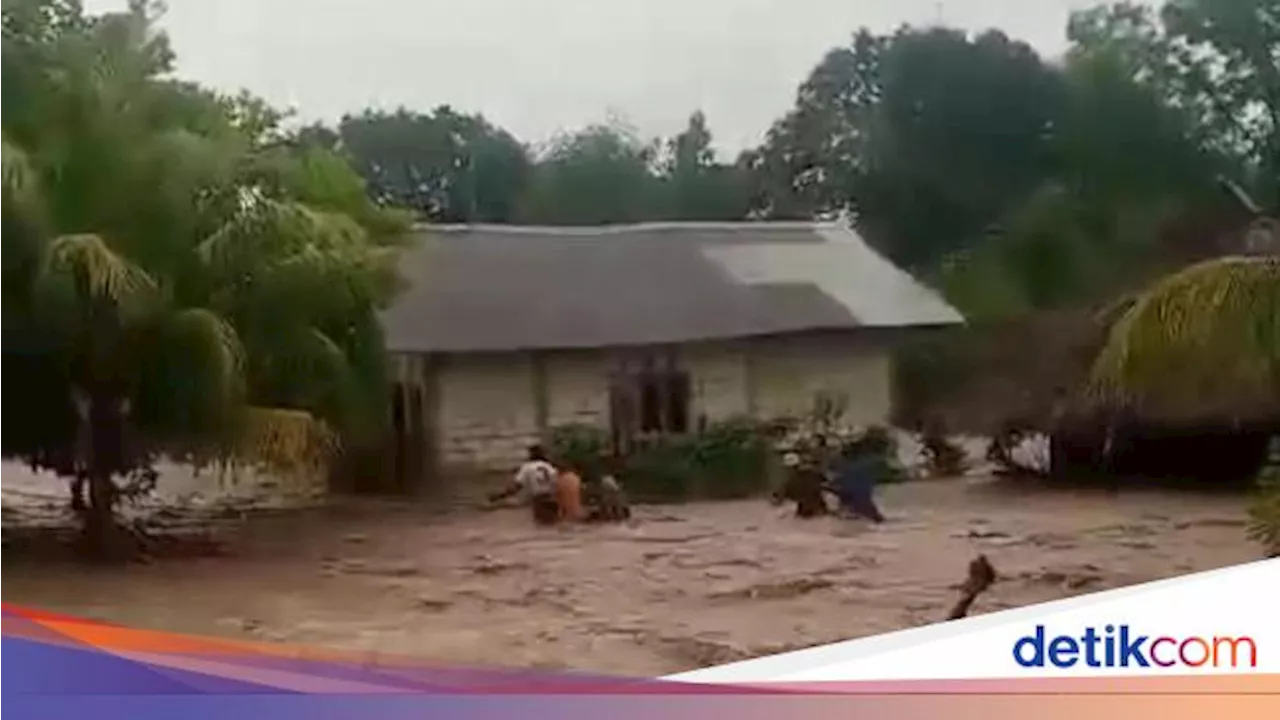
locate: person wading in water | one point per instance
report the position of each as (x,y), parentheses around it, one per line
(607,499)
(536,478)
(569,493)
(803,486)
(856,475)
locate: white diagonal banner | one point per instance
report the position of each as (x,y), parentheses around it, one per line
(1218,622)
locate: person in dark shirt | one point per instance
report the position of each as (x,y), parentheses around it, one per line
(803,486)
(862,464)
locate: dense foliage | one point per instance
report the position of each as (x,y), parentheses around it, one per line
(172,260)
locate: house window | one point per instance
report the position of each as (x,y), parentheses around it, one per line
(677,397)
(664,401)
(650,403)
(650,396)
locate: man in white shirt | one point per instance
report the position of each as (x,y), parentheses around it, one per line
(536,479)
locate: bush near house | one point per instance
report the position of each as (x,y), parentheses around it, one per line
(736,458)
(729,459)
(822,435)
(585,447)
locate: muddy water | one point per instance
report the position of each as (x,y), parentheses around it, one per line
(678,588)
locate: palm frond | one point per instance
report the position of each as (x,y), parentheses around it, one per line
(289,442)
(188,379)
(1202,342)
(103,273)
(1116,309)
(202,331)
(317,367)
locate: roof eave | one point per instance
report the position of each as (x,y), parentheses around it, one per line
(408,348)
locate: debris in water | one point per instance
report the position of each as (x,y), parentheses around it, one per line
(981,576)
(775,590)
(434,604)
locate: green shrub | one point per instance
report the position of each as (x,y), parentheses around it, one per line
(733,459)
(730,459)
(586,447)
(662,469)
(826,448)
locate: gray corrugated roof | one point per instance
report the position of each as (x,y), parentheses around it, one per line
(484,287)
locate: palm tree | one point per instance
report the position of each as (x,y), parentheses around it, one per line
(1203,343)
(177,281)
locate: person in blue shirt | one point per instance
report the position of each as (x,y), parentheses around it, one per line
(856,473)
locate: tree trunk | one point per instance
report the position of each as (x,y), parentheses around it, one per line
(100,531)
(78,504)
(103,460)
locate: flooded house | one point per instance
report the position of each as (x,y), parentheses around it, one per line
(505,332)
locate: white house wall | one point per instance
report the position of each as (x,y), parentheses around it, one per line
(490,408)
(487,414)
(718,375)
(787,375)
(577,388)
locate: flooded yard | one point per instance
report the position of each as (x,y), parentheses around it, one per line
(677,588)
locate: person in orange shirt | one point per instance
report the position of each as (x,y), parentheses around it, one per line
(569,494)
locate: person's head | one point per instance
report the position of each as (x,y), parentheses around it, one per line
(536,453)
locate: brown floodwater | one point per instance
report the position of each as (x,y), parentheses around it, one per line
(677,588)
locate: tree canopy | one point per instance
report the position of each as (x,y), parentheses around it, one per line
(171,258)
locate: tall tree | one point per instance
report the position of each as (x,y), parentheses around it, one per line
(812,155)
(695,185)
(602,174)
(1219,60)
(1125,164)
(448,166)
(690,152)
(928,135)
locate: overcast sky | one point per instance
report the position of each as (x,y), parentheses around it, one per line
(537,66)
